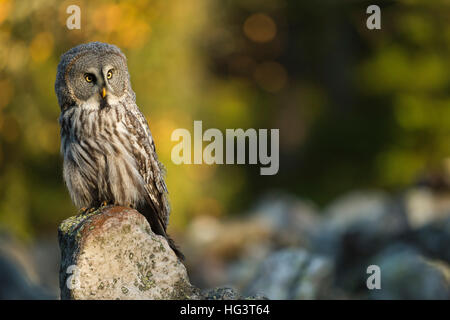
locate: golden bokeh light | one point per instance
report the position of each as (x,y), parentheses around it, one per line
(208,206)
(162,130)
(122,24)
(201,173)
(41,47)
(106,18)
(5,7)
(260,27)
(49,138)
(17,56)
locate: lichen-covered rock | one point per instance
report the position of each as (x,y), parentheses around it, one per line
(113,254)
(227,293)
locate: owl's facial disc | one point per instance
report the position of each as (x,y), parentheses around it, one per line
(98,79)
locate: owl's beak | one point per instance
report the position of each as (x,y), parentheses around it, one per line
(103,92)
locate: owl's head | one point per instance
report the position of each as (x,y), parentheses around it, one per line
(94,72)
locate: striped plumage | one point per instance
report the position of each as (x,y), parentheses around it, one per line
(108,150)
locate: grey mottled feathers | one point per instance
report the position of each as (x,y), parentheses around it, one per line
(150,167)
(108,150)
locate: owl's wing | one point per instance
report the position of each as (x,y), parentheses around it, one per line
(150,168)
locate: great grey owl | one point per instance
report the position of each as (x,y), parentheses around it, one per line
(108,150)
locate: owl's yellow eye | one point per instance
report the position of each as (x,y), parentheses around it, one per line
(89,78)
(109,74)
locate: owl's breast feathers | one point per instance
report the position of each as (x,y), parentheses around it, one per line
(113,150)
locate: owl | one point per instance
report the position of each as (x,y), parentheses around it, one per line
(108,151)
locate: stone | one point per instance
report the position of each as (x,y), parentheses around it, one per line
(407,275)
(356,226)
(372,214)
(227,293)
(228,250)
(432,239)
(211,243)
(112,253)
(424,206)
(292,274)
(291,220)
(15,285)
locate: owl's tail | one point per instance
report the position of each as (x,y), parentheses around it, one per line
(159,229)
(174,247)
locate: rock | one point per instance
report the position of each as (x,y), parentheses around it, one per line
(242,272)
(225,239)
(373,215)
(278,220)
(292,274)
(359,224)
(290,220)
(227,293)
(113,254)
(433,239)
(356,226)
(424,206)
(405,274)
(19,253)
(45,254)
(211,243)
(15,285)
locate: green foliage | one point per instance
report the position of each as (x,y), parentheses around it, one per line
(356,108)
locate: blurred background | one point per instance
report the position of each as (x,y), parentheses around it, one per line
(364,119)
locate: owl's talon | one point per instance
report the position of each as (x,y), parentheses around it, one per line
(91,210)
(82,210)
(104,204)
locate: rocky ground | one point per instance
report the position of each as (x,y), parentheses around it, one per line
(286,248)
